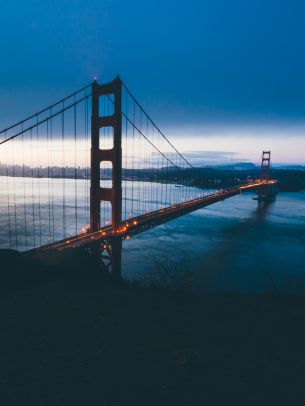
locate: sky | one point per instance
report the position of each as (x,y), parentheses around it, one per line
(222,78)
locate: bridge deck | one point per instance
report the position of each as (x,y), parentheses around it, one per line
(146,221)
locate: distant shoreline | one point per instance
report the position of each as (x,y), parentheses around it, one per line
(289,180)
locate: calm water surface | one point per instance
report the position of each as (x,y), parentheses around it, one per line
(229,246)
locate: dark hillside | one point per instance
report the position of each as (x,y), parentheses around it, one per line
(70,336)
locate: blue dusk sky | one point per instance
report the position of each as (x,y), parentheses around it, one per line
(225,78)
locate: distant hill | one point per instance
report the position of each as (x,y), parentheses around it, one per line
(236,166)
(245,166)
(290,167)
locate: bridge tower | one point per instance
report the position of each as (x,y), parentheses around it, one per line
(265,165)
(266,193)
(110,251)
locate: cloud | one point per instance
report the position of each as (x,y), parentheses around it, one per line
(199,158)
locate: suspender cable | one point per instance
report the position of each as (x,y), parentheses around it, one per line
(8,198)
(33,201)
(63,170)
(14,197)
(46,109)
(24,191)
(39,122)
(75,169)
(38,182)
(52,182)
(48,174)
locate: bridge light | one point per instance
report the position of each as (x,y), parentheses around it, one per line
(135,223)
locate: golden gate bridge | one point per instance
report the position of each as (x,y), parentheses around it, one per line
(92,170)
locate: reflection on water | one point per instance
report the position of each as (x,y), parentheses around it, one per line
(37,211)
(231,246)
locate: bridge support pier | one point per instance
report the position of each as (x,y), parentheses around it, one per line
(110,255)
(110,251)
(266,193)
(116,263)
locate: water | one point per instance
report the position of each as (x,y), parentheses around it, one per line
(231,246)
(39,211)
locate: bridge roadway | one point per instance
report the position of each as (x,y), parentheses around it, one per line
(144,222)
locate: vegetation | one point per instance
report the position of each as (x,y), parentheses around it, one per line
(72,336)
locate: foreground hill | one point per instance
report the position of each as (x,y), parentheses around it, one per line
(71,336)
